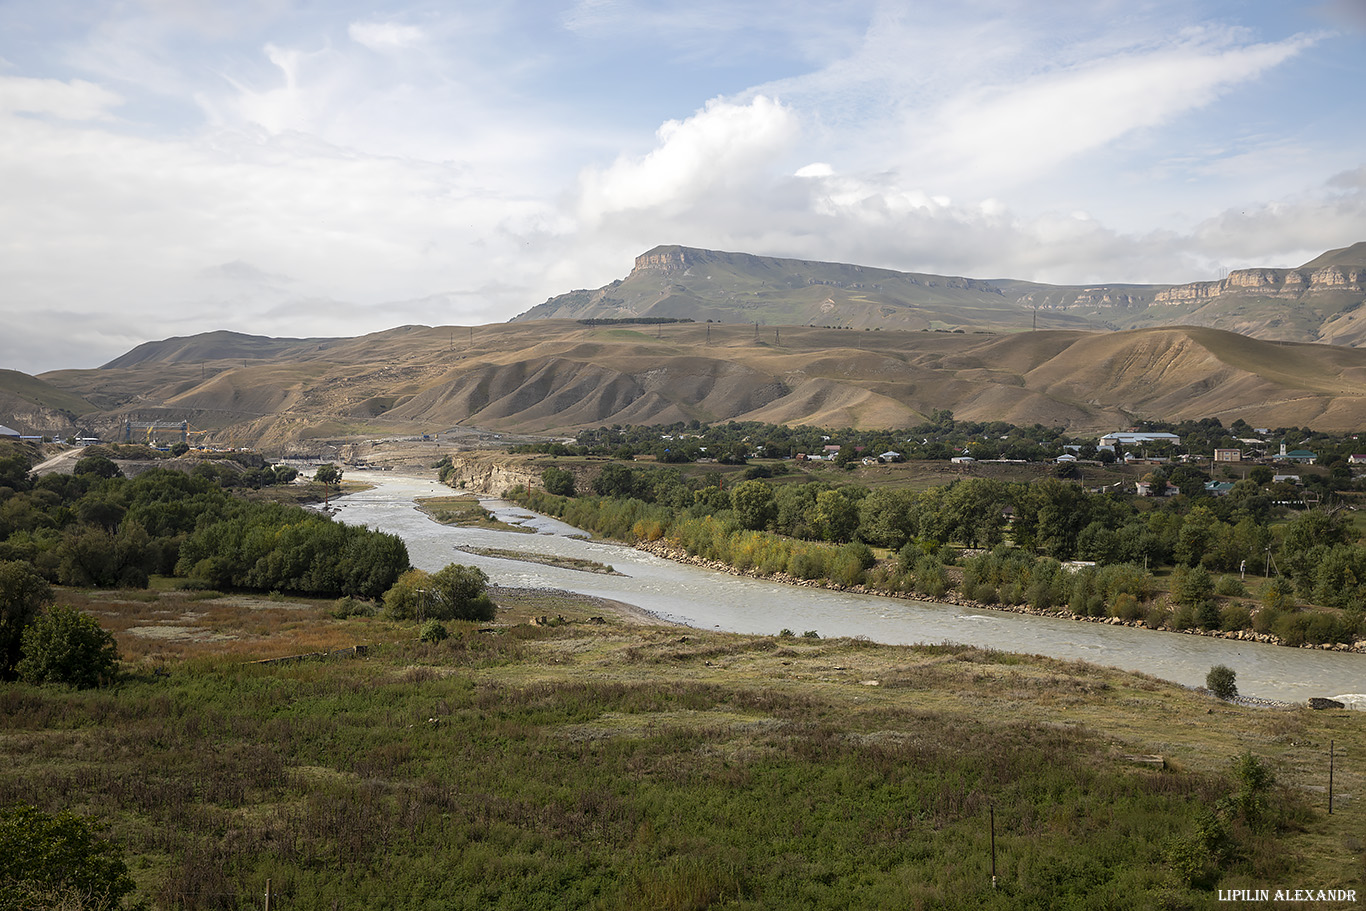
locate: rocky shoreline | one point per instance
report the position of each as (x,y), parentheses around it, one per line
(667,551)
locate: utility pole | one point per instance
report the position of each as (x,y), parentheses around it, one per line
(267,895)
(993,846)
(1330,778)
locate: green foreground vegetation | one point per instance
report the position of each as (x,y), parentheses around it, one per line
(210,685)
(605,765)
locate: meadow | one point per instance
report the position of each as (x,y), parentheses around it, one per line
(597,762)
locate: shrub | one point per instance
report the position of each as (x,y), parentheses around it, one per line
(23,593)
(346,607)
(1235,617)
(1207,615)
(1222,681)
(984,593)
(1277,594)
(58,862)
(1290,628)
(1182,617)
(1230,586)
(433,631)
(1254,779)
(454,593)
(66,646)
(1041,594)
(1127,608)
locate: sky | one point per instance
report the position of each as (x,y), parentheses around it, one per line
(303,168)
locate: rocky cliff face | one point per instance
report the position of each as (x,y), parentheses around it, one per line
(490,473)
(665,260)
(1269,283)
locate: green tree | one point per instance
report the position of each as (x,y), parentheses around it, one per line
(46,858)
(834,517)
(887,517)
(328,474)
(23,593)
(454,593)
(1222,681)
(615,481)
(754,504)
(557,481)
(975,511)
(1191,585)
(64,645)
(97,465)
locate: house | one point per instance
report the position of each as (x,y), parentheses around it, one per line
(1356,459)
(1287,478)
(1218,488)
(1228,455)
(1150,489)
(890,455)
(962,460)
(1137,438)
(8,433)
(1303,456)
(1066,457)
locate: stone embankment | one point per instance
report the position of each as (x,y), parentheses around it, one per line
(662,548)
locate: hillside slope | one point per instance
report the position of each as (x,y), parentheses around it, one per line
(33,406)
(1319,301)
(687,283)
(558,376)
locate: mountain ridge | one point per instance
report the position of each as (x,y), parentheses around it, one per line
(678,282)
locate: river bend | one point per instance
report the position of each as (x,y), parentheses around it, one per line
(703,598)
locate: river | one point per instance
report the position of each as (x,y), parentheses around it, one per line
(702,598)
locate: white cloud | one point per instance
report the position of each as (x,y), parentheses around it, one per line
(723,145)
(1019,131)
(73,100)
(385,36)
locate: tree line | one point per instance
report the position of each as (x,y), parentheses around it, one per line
(1006,542)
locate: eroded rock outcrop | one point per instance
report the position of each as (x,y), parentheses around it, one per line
(1270,283)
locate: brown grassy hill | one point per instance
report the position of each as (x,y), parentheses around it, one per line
(557,376)
(32,406)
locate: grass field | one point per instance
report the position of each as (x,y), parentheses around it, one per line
(598,762)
